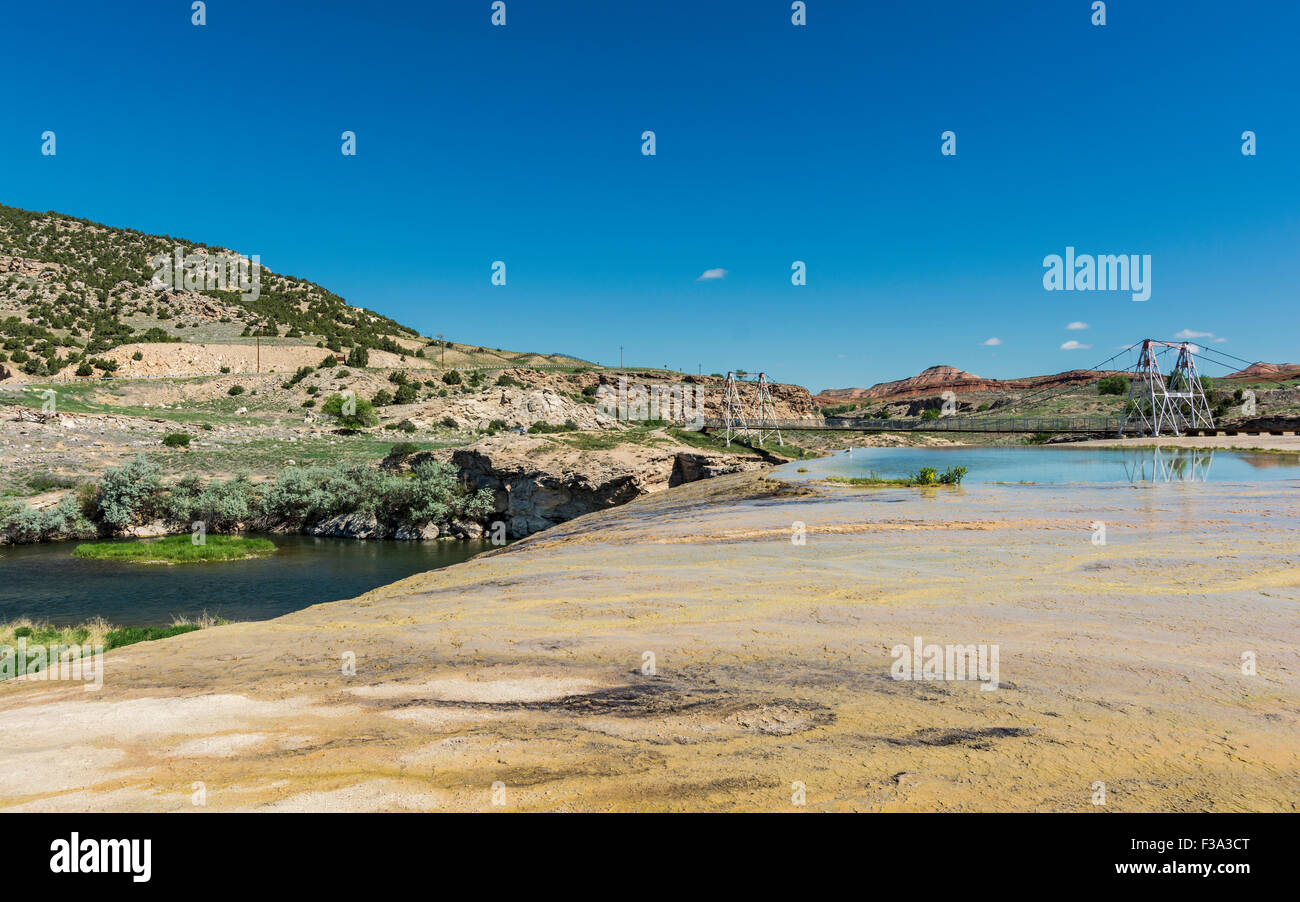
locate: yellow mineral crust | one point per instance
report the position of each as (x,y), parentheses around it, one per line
(683,653)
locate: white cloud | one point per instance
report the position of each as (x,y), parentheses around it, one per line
(1076,326)
(992,342)
(1191,333)
(1073,345)
(712,274)
(1220,340)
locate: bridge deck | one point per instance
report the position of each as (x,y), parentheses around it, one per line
(1077,425)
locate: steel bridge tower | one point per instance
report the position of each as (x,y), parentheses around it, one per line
(735,419)
(767,413)
(1159,405)
(733,410)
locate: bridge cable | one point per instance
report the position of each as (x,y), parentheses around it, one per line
(1068,386)
(1204,350)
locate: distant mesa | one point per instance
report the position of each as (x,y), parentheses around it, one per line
(1261,370)
(939,379)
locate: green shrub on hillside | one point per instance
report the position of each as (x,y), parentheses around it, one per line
(547,428)
(405,394)
(302,373)
(350,413)
(1113,385)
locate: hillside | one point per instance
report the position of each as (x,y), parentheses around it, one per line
(72,290)
(98,366)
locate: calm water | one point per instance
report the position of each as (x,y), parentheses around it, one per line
(1060,465)
(45,582)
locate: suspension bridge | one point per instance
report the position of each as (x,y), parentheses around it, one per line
(1172,403)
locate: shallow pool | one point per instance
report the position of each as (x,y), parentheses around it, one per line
(1058,465)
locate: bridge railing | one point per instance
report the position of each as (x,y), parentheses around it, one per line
(942,424)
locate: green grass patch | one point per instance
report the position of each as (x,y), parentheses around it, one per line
(926,476)
(177,550)
(600,441)
(74,397)
(129,635)
(708,442)
(870,480)
(92,633)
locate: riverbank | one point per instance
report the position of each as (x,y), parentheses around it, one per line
(1239,442)
(684,652)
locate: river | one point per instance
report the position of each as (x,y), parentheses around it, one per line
(46,583)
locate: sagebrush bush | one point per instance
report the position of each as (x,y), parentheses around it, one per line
(299,497)
(128,493)
(433,494)
(429,493)
(219,505)
(28,524)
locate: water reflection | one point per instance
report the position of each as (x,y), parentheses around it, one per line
(1169,465)
(1058,465)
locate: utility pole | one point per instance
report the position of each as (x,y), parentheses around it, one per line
(261,326)
(444,350)
(620,357)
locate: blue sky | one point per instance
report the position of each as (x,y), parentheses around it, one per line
(775,143)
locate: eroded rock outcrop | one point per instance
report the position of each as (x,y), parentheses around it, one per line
(691,466)
(532,496)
